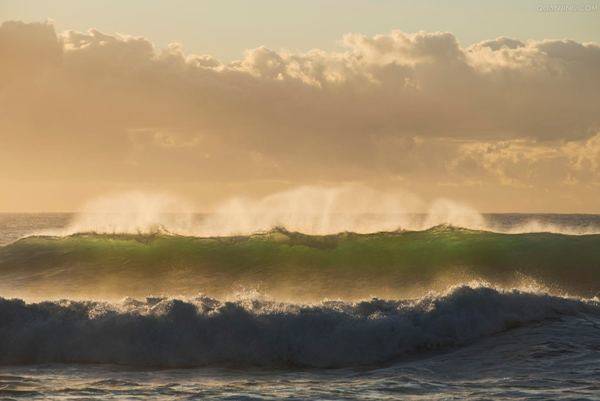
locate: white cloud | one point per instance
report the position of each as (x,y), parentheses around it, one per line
(415,107)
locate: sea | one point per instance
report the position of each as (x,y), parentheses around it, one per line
(506,309)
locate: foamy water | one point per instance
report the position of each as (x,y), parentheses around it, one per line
(501,347)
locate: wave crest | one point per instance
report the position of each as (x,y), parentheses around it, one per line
(294,266)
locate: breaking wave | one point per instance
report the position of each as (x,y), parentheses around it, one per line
(294,266)
(163,332)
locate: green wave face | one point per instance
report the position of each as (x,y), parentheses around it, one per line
(296,266)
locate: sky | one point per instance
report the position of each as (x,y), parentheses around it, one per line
(496,106)
(225,29)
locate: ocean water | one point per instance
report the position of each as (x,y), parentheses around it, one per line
(507,311)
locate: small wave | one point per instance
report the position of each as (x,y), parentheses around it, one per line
(161,332)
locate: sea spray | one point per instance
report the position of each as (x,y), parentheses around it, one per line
(310,210)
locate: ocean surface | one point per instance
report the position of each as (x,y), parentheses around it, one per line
(504,308)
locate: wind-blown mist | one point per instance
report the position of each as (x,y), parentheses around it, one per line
(132,212)
(309,209)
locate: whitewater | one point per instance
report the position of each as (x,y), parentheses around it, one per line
(500,307)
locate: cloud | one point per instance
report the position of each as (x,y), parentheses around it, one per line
(530,163)
(421,107)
